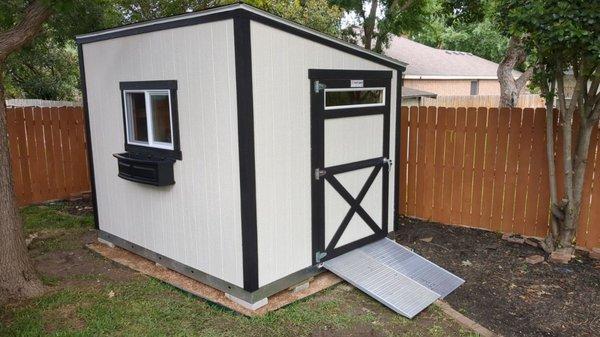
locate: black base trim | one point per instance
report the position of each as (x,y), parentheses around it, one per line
(212,281)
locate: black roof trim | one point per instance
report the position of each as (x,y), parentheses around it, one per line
(233,11)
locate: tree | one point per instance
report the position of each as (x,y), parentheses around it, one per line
(373,22)
(563,36)
(18,277)
(21,21)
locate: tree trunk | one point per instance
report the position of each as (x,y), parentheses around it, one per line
(510,88)
(369,25)
(556,213)
(18,278)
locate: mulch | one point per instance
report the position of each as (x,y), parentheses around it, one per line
(504,293)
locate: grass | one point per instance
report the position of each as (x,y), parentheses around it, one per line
(53,217)
(142,306)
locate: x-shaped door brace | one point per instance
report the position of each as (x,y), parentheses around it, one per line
(355,206)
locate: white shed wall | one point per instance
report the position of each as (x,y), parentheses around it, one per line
(280,63)
(196,221)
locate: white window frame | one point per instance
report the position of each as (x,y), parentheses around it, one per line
(351,106)
(149,120)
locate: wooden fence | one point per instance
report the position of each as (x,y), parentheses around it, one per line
(48,153)
(486,168)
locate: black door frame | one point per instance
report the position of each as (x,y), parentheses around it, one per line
(342,79)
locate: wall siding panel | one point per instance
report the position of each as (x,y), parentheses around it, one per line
(282,144)
(197,220)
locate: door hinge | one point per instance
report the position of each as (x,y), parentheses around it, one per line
(318,86)
(319,256)
(319,173)
(388,161)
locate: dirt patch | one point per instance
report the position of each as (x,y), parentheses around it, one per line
(77,266)
(504,293)
(79,207)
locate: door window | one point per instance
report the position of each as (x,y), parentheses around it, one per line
(343,98)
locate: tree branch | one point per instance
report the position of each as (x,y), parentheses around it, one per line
(509,87)
(36,13)
(523,79)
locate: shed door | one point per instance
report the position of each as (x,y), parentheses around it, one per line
(350,130)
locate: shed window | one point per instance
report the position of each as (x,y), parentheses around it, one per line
(340,98)
(150,117)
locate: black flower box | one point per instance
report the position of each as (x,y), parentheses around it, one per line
(145,169)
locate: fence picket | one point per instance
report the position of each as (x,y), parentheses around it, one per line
(449,136)
(438,166)
(521,192)
(429,173)
(478,162)
(487,196)
(412,160)
(403,159)
(458,166)
(467,185)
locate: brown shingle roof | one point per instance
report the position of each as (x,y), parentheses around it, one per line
(432,62)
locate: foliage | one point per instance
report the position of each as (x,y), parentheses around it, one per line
(479,38)
(465,25)
(47,68)
(316,14)
(43,70)
(560,34)
(377,20)
(131,11)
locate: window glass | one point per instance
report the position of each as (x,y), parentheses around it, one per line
(136,115)
(161,119)
(354,97)
(474,87)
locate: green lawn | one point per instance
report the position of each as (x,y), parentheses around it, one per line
(89,296)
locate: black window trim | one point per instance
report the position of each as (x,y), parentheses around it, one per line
(171,86)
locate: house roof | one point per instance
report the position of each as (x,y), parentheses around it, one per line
(416,93)
(425,62)
(232,11)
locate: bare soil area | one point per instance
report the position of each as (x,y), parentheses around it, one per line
(504,293)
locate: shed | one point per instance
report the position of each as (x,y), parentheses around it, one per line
(238,148)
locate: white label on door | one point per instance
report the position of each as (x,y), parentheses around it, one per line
(357,83)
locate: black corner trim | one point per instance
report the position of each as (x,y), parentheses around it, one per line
(170,85)
(245,114)
(88,135)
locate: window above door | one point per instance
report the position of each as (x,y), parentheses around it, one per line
(150,118)
(344,98)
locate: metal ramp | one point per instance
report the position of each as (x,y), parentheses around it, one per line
(395,276)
